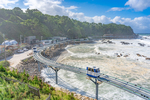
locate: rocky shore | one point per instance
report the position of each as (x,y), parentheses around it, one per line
(31,67)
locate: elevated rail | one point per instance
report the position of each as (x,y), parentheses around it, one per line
(131,88)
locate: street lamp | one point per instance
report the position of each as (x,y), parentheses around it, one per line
(4,46)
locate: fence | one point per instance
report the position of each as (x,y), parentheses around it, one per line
(49,97)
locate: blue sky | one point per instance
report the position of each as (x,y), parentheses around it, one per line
(134,13)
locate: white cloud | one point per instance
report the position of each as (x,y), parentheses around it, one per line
(139,24)
(71,7)
(23,9)
(53,7)
(118,9)
(102,19)
(138,5)
(5,3)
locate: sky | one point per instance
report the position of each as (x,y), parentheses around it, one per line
(134,13)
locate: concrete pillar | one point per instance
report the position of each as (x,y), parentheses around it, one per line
(95,82)
(59,45)
(39,66)
(56,76)
(96,89)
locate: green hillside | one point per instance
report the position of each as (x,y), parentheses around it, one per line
(15,23)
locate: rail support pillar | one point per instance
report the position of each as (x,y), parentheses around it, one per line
(59,45)
(96,89)
(39,66)
(44,52)
(56,76)
(56,73)
(95,82)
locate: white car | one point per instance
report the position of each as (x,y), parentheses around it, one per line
(20,51)
(25,49)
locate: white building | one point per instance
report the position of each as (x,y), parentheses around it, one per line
(59,38)
(46,42)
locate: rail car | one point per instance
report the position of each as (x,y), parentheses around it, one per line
(34,50)
(93,72)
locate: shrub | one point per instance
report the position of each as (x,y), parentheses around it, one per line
(2,69)
(4,63)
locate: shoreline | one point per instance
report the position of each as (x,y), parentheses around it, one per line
(59,58)
(34,71)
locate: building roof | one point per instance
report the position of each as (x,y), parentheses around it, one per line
(10,42)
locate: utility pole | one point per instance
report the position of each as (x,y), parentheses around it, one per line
(41,38)
(20,39)
(4,46)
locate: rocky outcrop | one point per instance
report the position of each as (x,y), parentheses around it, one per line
(141,44)
(125,43)
(147,58)
(141,55)
(126,55)
(31,68)
(138,55)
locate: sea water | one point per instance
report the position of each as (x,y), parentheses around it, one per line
(128,67)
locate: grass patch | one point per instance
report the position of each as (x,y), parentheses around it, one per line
(13,90)
(4,63)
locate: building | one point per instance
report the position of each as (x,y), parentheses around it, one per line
(59,38)
(30,39)
(46,42)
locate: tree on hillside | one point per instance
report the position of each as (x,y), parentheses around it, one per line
(15,22)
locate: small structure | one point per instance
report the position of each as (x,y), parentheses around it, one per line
(30,39)
(59,38)
(46,42)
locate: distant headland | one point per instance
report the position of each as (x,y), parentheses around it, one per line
(15,22)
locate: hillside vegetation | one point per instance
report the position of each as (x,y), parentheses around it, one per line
(15,23)
(21,86)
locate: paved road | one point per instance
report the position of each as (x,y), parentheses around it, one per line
(16,58)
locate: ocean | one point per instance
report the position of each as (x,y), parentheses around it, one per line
(130,65)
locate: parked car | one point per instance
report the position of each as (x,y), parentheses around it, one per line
(20,51)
